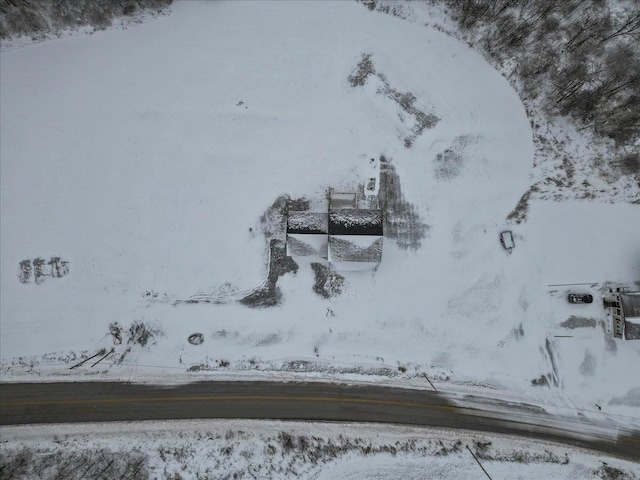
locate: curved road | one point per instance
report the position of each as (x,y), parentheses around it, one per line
(23,403)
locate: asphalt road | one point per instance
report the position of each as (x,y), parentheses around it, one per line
(33,403)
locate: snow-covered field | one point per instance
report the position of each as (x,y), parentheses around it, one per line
(146,157)
(283,450)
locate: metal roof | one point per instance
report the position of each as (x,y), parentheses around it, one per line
(351,221)
(630,303)
(355,248)
(307,222)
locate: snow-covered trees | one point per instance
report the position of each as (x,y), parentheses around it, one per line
(581,57)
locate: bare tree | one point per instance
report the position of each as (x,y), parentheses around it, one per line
(56,267)
(630,25)
(25,271)
(38,267)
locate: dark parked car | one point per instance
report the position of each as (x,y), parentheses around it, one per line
(580,298)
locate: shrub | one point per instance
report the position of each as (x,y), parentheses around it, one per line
(362,71)
(142,333)
(25,271)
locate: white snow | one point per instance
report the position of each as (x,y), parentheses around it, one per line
(273,450)
(145,158)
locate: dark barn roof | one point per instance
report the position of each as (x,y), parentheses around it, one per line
(630,304)
(351,221)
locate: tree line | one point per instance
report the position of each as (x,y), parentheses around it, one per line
(580,58)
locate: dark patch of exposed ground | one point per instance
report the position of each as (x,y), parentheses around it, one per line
(405,100)
(519,213)
(450,163)
(578,322)
(327,283)
(268,294)
(401,220)
(364,69)
(588,364)
(447,164)
(607,472)
(144,333)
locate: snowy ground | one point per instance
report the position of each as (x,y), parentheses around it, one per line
(244,449)
(145,158)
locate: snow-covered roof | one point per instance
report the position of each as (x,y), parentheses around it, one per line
(351,221)
(307,245)
(355,248)
(343,235)
(307,222)
(630,303)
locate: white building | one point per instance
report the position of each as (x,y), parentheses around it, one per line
(625,314)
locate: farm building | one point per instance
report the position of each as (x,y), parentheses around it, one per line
(625,315)
(347,237)
(355,238)
(307,234)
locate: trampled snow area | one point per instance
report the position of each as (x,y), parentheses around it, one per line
(285,450)
(146,157)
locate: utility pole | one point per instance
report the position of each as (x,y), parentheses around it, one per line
(425,376)
(478,462)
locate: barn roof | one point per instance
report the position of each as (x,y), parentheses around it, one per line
(307,245)
(349,238)
(630,303)
(351,221)
(355,248)
(307,222)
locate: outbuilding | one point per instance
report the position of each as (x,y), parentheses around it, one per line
(625,314)
(347,237)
